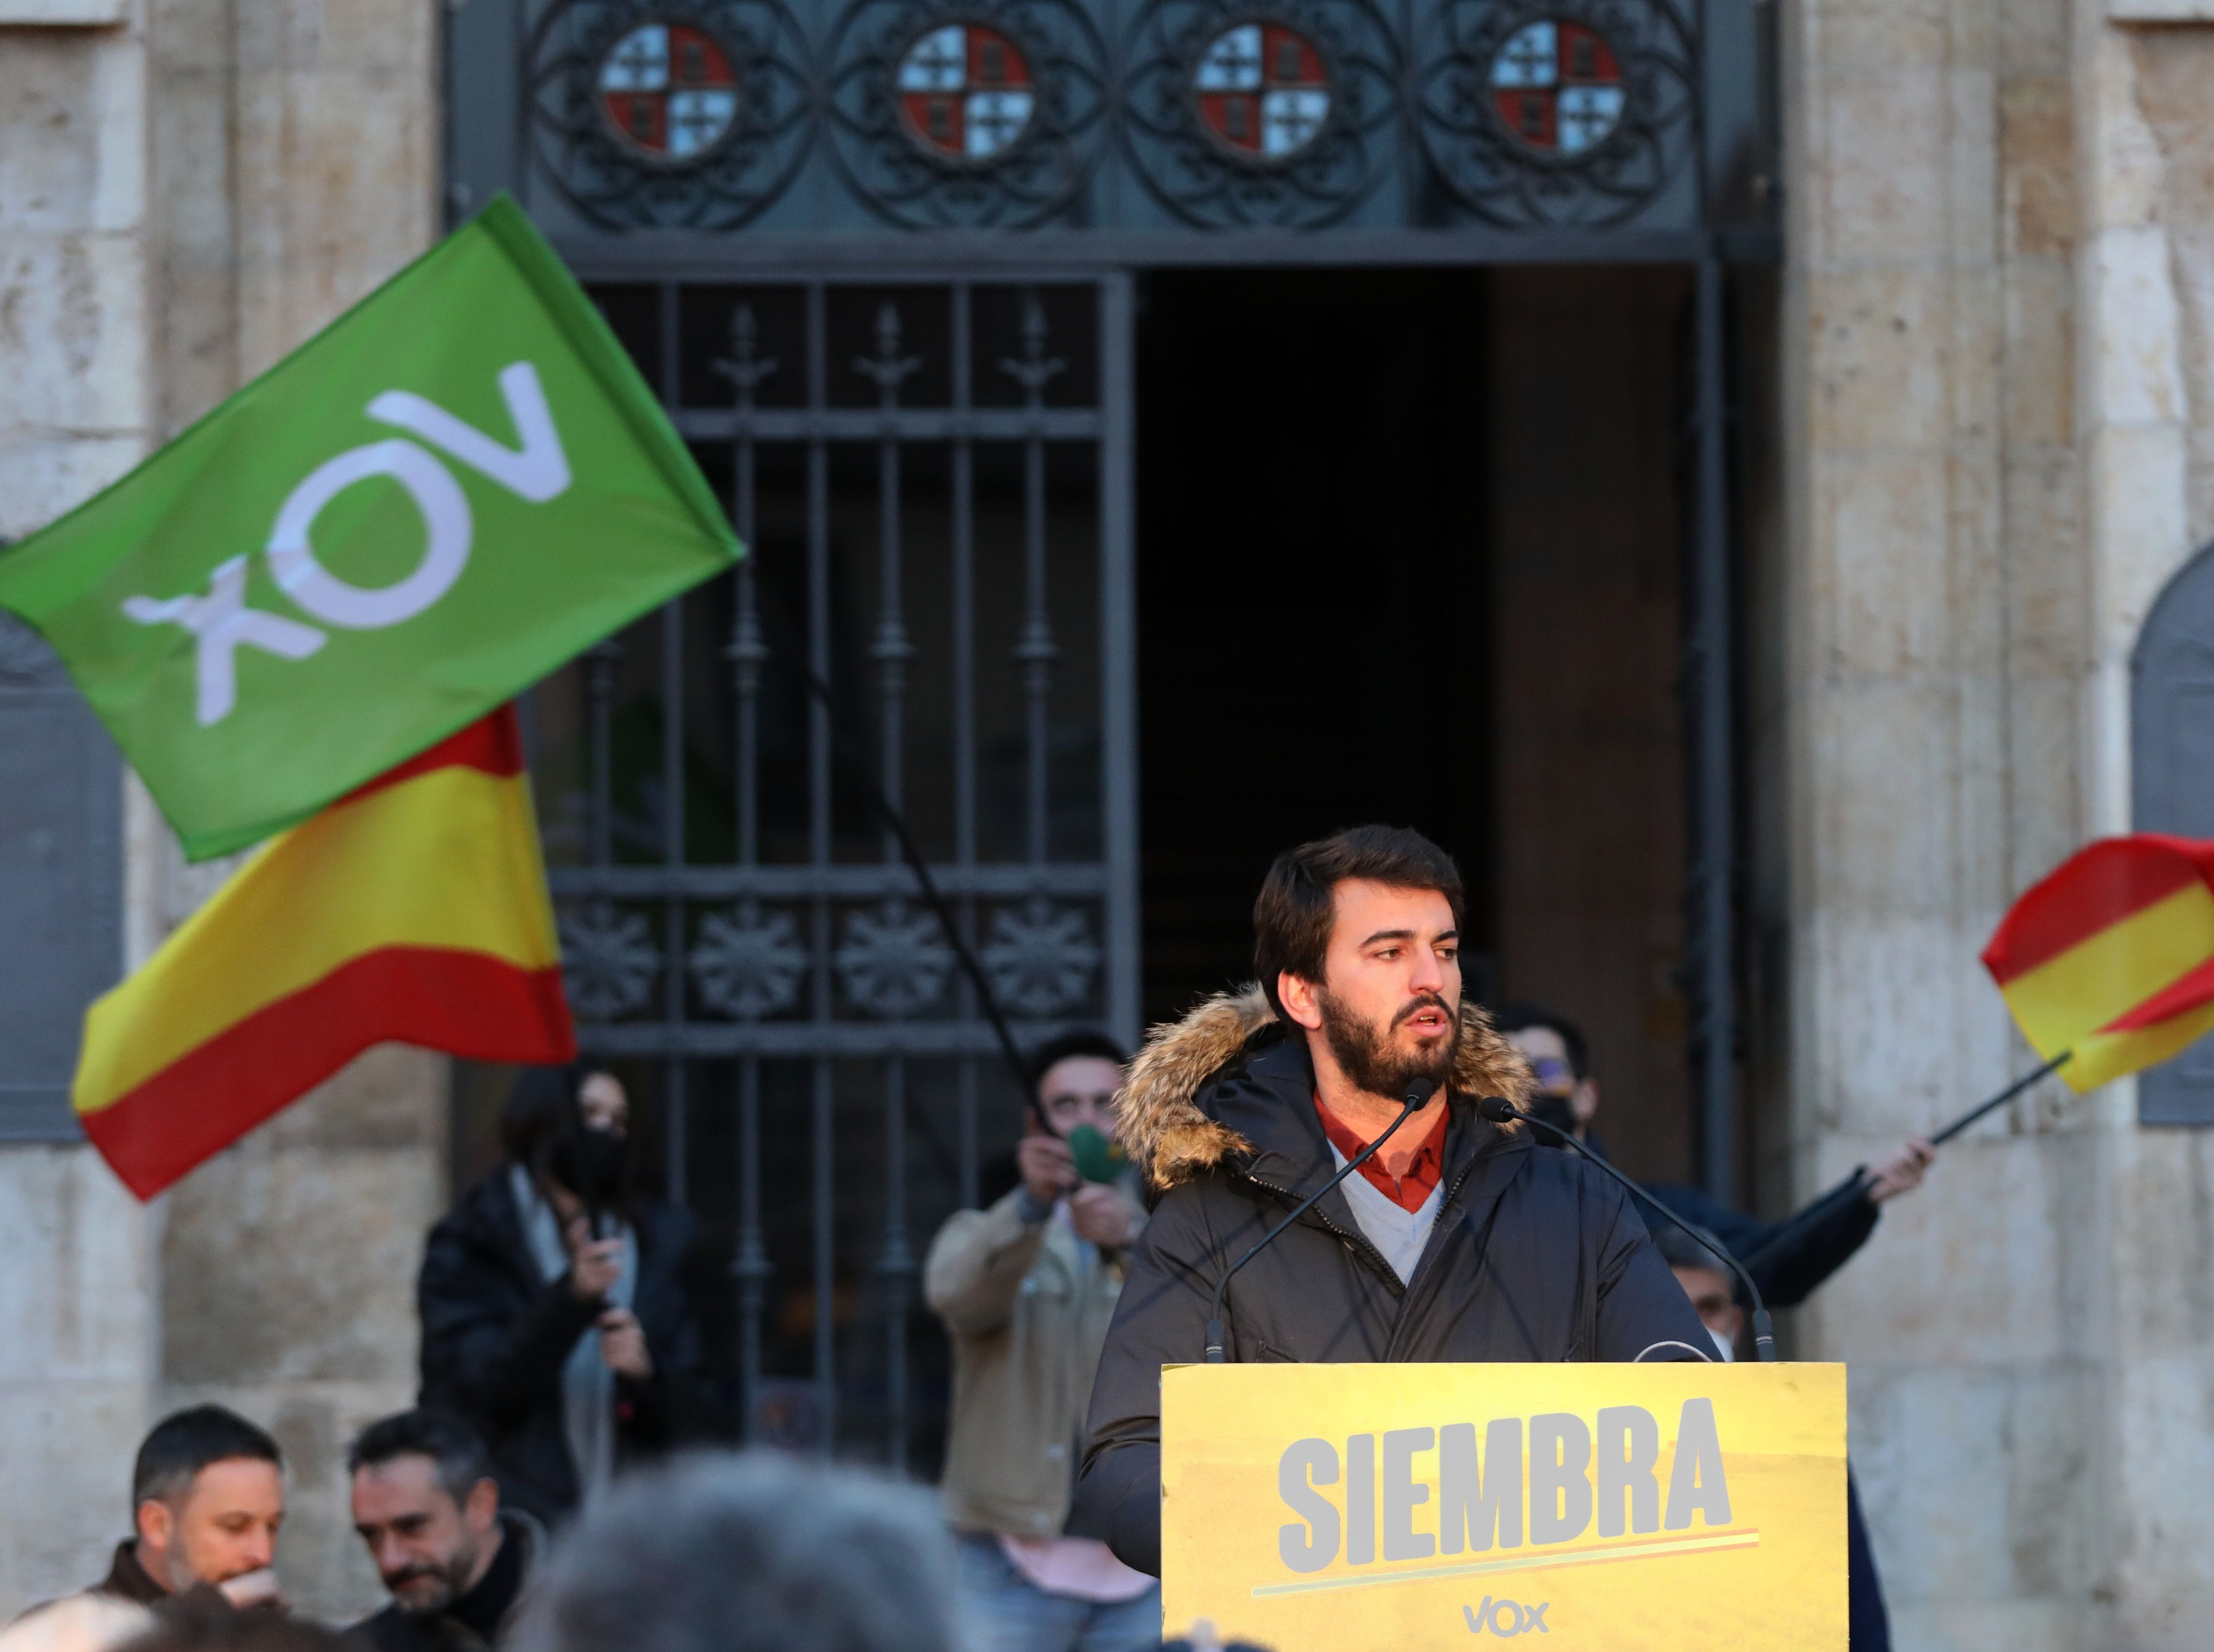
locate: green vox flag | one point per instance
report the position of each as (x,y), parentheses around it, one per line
(456,487)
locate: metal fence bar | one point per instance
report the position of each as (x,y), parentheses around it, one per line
(1118,653)
(673,1106)
(1714,990)
(964,711)
(818,832)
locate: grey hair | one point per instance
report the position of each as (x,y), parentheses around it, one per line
(750,1553)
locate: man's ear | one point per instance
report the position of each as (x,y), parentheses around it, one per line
(1300,1000)
(480,1509)
(1583,1100)
(157,1522)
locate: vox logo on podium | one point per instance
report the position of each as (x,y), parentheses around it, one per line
(1506,1618)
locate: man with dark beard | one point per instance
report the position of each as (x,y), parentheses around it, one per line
(1456,1242)
(425,1502)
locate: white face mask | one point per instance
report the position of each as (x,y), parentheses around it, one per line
(1723,1346)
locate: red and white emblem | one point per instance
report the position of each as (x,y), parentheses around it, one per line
(965,92)
(669,91)
(1558,87)
(1263,90)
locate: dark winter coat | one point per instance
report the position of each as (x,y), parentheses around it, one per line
(495,1338)
(1535,1256)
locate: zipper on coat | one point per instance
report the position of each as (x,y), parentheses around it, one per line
(1359,1243)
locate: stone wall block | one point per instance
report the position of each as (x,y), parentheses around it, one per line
(1887,986)
(1882,35)
(49,144)
(79,1314)
(2172,73)
(65,1495)
(2138,508)
(296,1264)
(2038,371)
(2191,248)
(1876,562)
(2037,162)
(1946,1483)
(1881,357)
(42,477)
(2164,1546)
(1882,186)
(1930,1289)
(2163,1237)
(2032,36)
(73,343)
(1887,745)
(2134,349)
(1947,1625)
(2119,156)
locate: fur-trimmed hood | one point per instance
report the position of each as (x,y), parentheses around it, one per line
(1172,1139)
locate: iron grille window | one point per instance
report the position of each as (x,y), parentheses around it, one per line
(933,481)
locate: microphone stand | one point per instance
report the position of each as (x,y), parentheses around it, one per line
(1498,1111)
(1418,1094)
(1860,1181)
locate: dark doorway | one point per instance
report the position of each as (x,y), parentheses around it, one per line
(1311,576)
(1409,551)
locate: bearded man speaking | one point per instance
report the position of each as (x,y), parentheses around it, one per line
(1456,1242)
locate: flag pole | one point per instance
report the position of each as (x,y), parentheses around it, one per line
(1858,1182)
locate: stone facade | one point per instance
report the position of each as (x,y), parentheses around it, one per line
(189,188)
(1992,375)
(1995,328)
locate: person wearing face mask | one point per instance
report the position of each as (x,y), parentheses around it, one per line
(1787,1259)
(555,1318)
(1026,1289)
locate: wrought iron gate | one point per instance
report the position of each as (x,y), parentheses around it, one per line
(933,478)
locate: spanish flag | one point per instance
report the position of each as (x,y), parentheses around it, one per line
(2111,955)
(412,909)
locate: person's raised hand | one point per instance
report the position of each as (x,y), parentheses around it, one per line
(1048,1168)
(1902,1171)
(622,1345)
(1102,1214)
(594,1264)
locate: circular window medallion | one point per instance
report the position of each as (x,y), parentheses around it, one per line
(965,92)
(1263,90)
(668,92)
(1558,87)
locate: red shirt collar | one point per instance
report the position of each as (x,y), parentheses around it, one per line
(1407,1191)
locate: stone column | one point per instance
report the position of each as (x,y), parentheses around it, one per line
(78,1326)
(1935,587)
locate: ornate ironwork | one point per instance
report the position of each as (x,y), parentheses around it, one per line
(1317,137)
(1041,959)
(608,962)
(893,960)
(1543,112)
(749,963)
(930,142)
(706,155)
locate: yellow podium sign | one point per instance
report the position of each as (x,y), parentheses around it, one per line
(1352,1507)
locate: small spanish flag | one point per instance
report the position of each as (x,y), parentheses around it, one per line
(413,909)
(2111,955)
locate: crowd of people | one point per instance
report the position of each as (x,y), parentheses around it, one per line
(521,1504)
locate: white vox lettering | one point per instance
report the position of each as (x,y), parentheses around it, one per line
(446,521)
(222,623)
(538,470)
(1506,1618)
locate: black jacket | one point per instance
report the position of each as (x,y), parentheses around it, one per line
(495,1338)
(476,1621)
(1534,1256)
(1787,1259)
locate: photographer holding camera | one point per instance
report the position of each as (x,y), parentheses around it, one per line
(1026,1289)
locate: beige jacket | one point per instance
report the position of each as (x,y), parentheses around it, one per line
(1028,1308)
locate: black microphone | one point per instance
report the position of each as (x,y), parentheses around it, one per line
(1500,1110)
(1418,1094)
